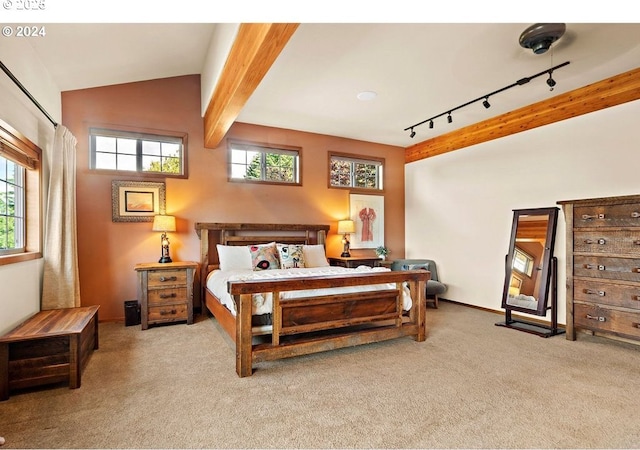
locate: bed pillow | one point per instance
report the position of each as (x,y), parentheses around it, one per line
(314,256)
(291,256)
(234,257)
(264,256)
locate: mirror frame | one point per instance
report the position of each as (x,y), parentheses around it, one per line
(544,271)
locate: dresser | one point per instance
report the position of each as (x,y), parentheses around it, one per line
(603,266)
(355,261)
(165,292)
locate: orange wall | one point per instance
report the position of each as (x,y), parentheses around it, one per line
(108,251)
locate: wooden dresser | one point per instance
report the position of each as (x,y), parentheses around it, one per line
(165,292)
(603,266)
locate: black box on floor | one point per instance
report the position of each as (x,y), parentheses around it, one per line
(131,313)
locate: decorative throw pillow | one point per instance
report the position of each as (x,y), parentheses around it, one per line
(291,256)
(424,266)
(315,256)
(234,257)
(264,257)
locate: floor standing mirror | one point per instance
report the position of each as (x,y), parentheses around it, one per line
(530,284)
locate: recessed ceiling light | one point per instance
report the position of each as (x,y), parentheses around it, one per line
(367,95)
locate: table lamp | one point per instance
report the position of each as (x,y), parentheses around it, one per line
(164,223)
(345,227)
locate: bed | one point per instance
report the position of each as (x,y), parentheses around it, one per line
(273,314)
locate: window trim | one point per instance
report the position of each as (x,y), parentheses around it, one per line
(138,133)
(263,146)
(359,158)
(22,151)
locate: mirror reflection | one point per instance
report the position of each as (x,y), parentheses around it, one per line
(528,261)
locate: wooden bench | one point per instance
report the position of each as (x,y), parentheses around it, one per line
(52,346)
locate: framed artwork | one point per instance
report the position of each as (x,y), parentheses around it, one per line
(367,212)
(137,201)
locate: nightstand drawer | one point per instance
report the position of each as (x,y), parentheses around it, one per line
(164,296)
(168,313)
(159,278)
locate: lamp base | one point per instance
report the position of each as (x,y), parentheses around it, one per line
(345,255)
(165,259)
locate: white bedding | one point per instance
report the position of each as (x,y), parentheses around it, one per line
(217,284)
(523,301)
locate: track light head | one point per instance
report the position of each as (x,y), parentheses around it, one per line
(550,81)
(431,124)
(486,103)
(413,133)
(449,118)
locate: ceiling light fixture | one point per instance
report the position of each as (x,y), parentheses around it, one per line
(550,82)
(413,133)
(539,36)
(366,95)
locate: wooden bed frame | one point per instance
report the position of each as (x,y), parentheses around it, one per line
(312,324)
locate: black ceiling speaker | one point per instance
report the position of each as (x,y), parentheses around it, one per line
(539,37)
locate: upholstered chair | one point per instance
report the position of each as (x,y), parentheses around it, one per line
(435,287)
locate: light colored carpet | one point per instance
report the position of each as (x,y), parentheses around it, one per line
(469,385)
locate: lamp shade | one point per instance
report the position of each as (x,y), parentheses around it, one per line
(164,223)
(346,226)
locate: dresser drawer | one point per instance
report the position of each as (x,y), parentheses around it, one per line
(596,291)
(595,318)
(607,242)
(627,269)
(623,215)
(168,313)
(164,296)
(159,278)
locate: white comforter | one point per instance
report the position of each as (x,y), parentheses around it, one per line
(217,284)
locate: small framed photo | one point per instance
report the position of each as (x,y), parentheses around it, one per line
(137,201)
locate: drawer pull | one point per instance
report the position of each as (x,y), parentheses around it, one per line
(635,214)
(591,217)
(636,298)
(636,242)
(598,318)
(166,313)
(635,324)
(172,295)
(599,241)
(174,278)
(593,266)
(594,292)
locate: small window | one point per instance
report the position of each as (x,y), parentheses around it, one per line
(138,152)
(12,207)
(353,172)
(263,164)
(522,262)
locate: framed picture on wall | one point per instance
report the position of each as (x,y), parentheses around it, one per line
(367,212)
(137,201)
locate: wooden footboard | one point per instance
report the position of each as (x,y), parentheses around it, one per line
(314,324)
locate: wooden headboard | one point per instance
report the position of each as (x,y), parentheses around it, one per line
(211,234)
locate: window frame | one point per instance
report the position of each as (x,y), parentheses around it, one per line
(139,135)
(264,149)
(380,162)
(16,147)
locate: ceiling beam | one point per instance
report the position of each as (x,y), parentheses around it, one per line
(612,91)
(254,50)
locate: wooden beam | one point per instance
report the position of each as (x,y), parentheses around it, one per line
(603,94)
(254,50)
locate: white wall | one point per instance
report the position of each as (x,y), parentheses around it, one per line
(459,205)
(20,283)
(222,40)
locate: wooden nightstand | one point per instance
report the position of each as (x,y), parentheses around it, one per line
(355,261)
(165,292)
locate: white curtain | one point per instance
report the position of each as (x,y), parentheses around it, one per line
(61,285)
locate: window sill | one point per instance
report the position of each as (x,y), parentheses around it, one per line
(19,257)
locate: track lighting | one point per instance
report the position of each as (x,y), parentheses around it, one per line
(550,81)
(485,98)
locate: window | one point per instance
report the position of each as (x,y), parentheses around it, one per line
(20,234)
(138,152)
(263,164)
(351,171)
(522,262)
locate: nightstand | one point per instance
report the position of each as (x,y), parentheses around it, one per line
(165,292)
(355,261)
